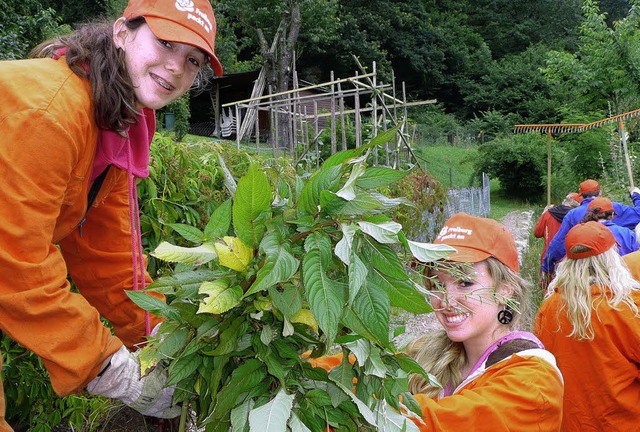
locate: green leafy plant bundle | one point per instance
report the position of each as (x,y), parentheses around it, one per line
(283,273)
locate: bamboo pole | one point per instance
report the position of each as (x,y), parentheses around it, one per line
(334,146)
(326,84)
(356,105)
(316,133)
(342,123)
(623,138)
(374,112)
(549,167)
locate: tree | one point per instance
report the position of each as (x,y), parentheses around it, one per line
(604,73)
(23,25)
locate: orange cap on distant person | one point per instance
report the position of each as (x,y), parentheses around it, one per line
(476,239)
(601,204)
(588,239)
(186,21)
(575,196)
(589,186)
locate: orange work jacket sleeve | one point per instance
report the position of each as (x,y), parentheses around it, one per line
(520,393)
(47,147)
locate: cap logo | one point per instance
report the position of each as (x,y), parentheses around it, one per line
(457,233)
(194,14)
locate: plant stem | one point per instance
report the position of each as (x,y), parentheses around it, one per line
(183,417)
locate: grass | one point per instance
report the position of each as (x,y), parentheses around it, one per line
(453,167)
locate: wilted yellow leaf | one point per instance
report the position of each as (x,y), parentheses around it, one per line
(304,316)
(220,296)
(233,253)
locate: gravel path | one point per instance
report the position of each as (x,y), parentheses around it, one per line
(520,224)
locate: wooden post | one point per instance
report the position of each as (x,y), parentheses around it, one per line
(374,113)
(623,138)
(342,124)
(315,132)
(257,130)
(356,105)
(548,167)
(238,123)
(334,146)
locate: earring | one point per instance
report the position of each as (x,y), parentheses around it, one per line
(505,316)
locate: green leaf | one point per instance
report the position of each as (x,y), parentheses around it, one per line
(243,378)
(370,314)
(220,296)
(364,202)
(383,258)
(289,301)
(348,191)
(240,416)
(278,267)
(391,420)
(362,407)
(195,256)
(343,247)
(152,304)
(185,278)
(219,222)
(183,368)
(384,232)
(250,204)
(296,425)
(382,138)
(326,179)
(326,297)
(175,341)
(375,365)
(273,416)
(229,337)
(357,276)
(379,176)
(190,233)
(429,252)
(401,292)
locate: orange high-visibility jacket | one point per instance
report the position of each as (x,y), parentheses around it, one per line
(522,393)
(47,146)
(602,376)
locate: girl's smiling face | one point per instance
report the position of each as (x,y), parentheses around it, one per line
(466,304)
(161,71)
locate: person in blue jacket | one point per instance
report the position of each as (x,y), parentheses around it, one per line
(626,216)
(601,210)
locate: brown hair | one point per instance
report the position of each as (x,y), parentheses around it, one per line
(92,46)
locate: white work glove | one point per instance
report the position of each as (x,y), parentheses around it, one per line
(121,380)
(634,190)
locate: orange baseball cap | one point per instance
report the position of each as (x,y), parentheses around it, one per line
(476,239)
(602,204)
(186,21)
(588,239)
(575,196)
(589,186)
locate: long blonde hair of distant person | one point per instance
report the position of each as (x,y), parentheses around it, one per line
(574,281)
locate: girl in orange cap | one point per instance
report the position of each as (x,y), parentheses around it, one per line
(76,124)
(495,377)
(590,322)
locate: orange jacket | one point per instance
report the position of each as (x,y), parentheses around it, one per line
(546,228)
(521,393)
(602,376)
(46,157)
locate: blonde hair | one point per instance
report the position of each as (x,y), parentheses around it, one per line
(444,358)
(574,280)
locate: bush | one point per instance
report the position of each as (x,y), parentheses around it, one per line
(518,161)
